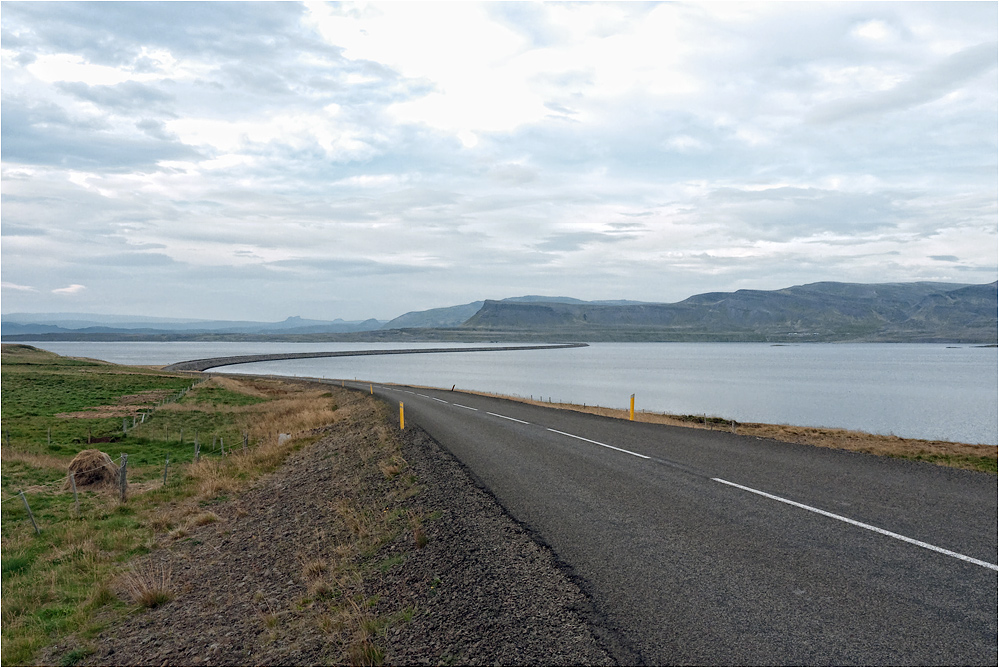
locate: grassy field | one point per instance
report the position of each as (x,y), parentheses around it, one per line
(66,580)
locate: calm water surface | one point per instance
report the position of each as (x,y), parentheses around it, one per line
(913,390)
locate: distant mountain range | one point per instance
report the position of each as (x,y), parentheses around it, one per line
(884,312)
(816,312)
(89,323)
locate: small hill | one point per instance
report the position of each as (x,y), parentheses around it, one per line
(454,316)
(448,316)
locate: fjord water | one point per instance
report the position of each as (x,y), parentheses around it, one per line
(914,390)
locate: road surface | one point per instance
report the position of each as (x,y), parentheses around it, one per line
(215,362)
(707,548)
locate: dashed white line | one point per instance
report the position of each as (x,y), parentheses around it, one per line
(862,525)
(600,444)
(869,527)
(505,417)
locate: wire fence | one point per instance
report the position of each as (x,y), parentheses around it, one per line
(121,463)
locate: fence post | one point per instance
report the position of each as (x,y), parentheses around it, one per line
(30,516)
(124,425)
(76,497)
(165,469)
(197,451)
(246,437)
(123,478)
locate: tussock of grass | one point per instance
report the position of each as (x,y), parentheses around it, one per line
(149,586)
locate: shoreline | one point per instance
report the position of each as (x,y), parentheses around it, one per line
(952,454)
(944,453)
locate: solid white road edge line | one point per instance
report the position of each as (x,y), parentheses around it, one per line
(506,417)
(869,527)
(599,443)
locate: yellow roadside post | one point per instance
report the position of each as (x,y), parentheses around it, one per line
(631,413)
(372,388)
(402,418)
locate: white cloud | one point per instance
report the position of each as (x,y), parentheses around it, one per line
(305,160)
(14,286)
(73,289)
(874,29)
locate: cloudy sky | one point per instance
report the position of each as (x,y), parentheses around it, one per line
(257,161)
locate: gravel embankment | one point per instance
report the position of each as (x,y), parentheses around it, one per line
(481,592)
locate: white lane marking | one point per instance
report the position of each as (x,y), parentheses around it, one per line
(884,532)
(600,444)
(506,417)
(423,395)
(440,400)
(468,407)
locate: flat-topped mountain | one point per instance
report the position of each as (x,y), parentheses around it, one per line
(815,312)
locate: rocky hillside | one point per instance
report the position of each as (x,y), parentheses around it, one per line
(897,312)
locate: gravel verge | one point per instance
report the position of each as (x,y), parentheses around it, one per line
(481,591)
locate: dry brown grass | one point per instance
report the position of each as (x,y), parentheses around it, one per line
(249,387)
(92,468)
(419,535)
(301,409)
(148,586)
(40,461)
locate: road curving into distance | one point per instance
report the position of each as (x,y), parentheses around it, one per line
(706,548)
(215,362)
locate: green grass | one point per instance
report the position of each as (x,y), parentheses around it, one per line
(219,396)
(55,582)
(985,464)
(39,386)
(59,586)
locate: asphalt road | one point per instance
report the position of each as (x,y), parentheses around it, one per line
(707,548)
